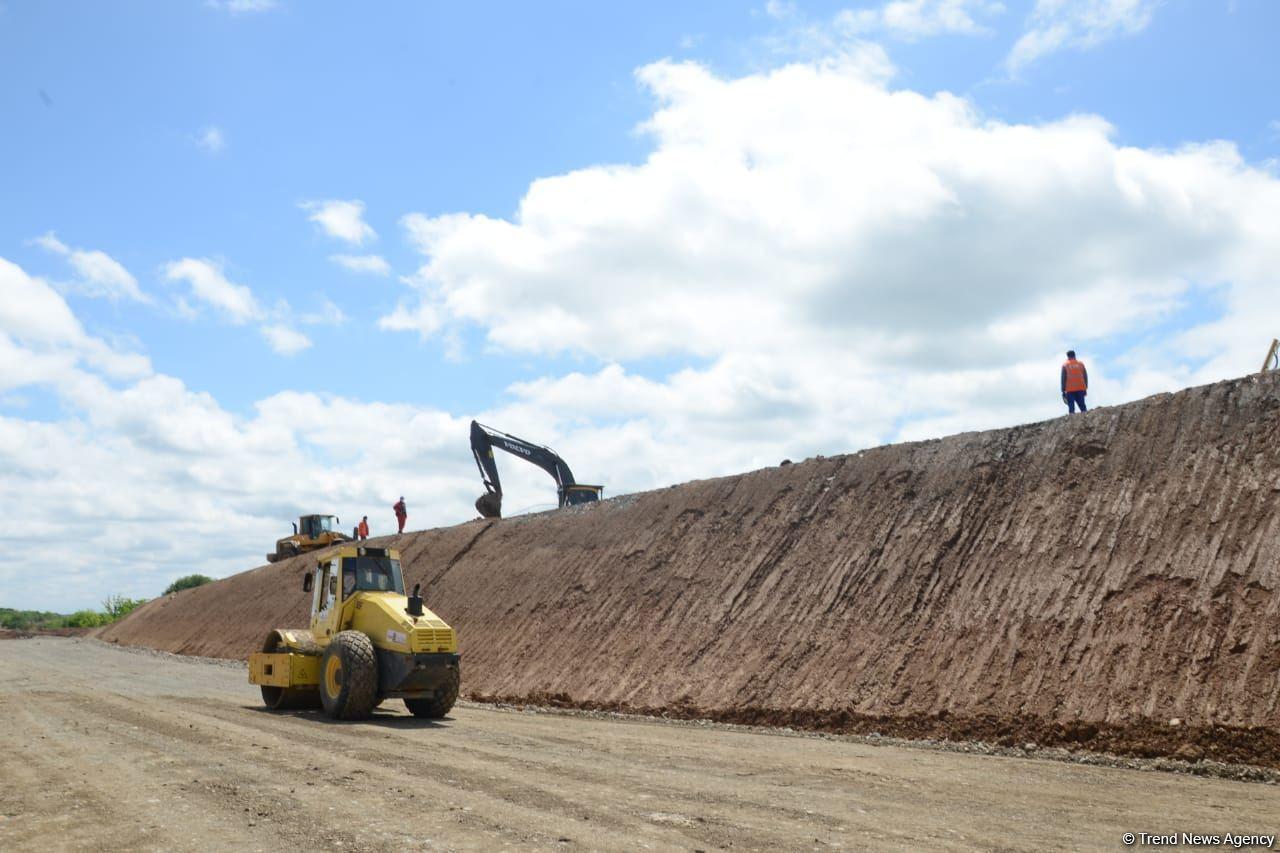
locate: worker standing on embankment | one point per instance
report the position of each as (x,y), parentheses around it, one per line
(402,513)
(1075,383)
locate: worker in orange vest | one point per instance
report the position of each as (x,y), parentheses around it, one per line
(363,530)
(402,513)
(1075,383)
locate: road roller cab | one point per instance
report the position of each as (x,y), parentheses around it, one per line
(367,642)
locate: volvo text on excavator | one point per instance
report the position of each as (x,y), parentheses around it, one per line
(484,439)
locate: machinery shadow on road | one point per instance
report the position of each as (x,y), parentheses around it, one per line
(385,719)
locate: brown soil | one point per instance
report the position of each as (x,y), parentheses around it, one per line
(26,634)
(1079,581)
(108,749)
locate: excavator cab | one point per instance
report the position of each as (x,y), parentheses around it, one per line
(580,493)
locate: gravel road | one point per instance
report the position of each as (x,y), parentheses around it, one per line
(108,748)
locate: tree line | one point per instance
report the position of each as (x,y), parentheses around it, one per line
(113,607)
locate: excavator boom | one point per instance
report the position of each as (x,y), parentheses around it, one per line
(483,441)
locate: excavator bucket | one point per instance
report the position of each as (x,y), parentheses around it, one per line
(489,505)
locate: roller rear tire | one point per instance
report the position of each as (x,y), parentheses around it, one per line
(440,706)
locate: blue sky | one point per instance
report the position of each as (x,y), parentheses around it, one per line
(603,287)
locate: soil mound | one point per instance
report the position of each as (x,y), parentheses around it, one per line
(1105,581)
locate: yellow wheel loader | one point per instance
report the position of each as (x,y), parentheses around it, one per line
(310,533)
(367,642)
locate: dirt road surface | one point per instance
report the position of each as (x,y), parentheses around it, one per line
(107,748)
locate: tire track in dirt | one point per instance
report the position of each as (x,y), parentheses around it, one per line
(155,760)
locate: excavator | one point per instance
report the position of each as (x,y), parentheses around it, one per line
(484,439)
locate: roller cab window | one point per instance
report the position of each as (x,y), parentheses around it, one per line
(374,574)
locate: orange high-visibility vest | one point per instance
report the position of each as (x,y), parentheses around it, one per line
(1075,375)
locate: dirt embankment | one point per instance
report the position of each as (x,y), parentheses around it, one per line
(1078,581)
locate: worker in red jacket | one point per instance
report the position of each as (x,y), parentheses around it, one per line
(402,513)
(363,530)
(1075,383)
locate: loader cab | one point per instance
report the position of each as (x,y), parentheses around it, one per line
(314,526)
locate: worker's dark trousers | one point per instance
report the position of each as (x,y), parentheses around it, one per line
(1075,398)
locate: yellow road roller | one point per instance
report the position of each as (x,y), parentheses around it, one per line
(368,642)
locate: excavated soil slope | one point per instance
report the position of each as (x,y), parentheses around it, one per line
(1085,580)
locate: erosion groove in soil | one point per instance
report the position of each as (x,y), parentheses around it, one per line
(1081,581)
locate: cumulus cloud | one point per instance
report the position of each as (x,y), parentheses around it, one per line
(138,465)
(911,19)
(1057,25)
(423,318)
(42,341)
(211,139)
(324,313)
(236,303)
(780,10)
(285,340)
(210,286)
(342,220)
(237,7)
(829,262)
(844,259)
(370,264)
(97,273)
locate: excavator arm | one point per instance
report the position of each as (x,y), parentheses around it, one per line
(483,441)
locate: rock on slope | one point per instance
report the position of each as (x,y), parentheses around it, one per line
(1084,580)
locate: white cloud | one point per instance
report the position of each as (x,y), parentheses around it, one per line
(371,264)
(237,7)
(911,19)
(424,318)
(97,273)
(284,340)
(41,340)
(210,286)
(237,304)
(132,473)
(325,314)
(840,258)
(780,9)
(1057,25)
(211,139)
(342,220)
(831,263)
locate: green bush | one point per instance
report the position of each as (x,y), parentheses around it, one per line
(86,619)
(27,620)
(113,608)
(117,607)
(187,582)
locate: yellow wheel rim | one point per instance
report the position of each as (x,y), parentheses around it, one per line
(333,676)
